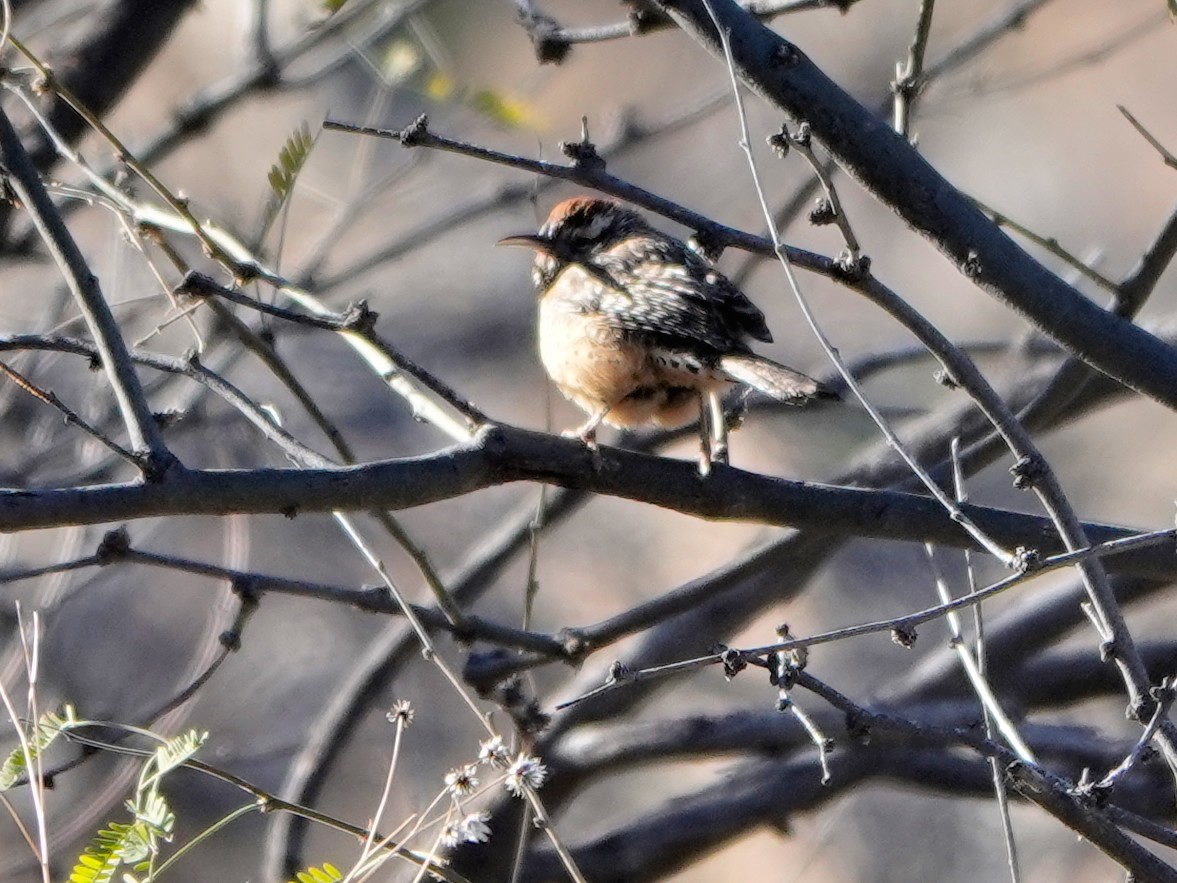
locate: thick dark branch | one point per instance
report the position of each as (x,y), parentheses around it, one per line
(500,455)
(890,168)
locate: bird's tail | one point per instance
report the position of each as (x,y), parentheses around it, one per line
(773,379)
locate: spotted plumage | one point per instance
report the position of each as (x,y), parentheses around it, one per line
(636,328)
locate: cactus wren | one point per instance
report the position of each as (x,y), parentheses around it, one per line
(636,328)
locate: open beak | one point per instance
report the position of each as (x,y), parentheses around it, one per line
(531,240)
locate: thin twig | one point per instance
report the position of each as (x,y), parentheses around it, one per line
(1049,243)
(827,345)
(909,75)
(1048,791)
(552,41)
(972,670)
(1167,155)
(1165,695)
(265,801)
(905,624)
(979,648)
(50,398)
(146,437)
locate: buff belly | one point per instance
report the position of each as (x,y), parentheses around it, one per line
(597,366)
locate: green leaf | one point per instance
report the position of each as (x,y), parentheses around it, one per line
(290,161)
(333,6)
(1173,8)
(178,750)
(116,845)
(328,874)
(284,173)
(154,813)
(48,728)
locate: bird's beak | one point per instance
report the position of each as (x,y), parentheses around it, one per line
(531,240)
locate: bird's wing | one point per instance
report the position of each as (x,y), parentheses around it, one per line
(661,290)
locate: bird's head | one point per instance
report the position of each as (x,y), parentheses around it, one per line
(576,230)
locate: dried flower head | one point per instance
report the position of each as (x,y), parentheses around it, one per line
(494,752)
(462,780)
(525,773)
(401,713)
(472,829)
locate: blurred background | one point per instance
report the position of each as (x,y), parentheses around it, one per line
(1030,127)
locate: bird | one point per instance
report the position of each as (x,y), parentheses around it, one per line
(637,328)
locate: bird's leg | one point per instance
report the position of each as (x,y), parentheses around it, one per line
(712,435)
(706,437)
(714,405)
(588,432)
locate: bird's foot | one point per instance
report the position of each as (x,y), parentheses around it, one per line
(586,437)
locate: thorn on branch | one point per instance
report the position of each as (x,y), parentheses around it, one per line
(115,546)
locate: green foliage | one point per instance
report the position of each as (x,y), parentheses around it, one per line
(178,750)
(333,6)
(327,874)
(120,844)
(48,728)
(136,843)
(284,173)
